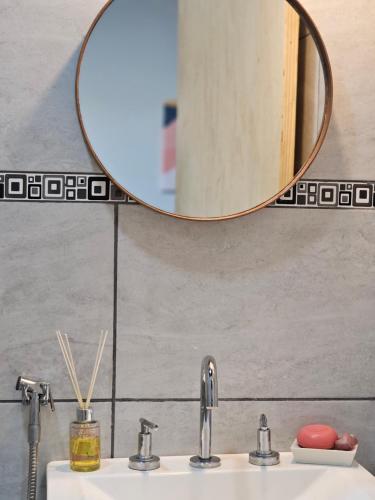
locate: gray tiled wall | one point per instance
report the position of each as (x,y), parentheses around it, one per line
(282,298)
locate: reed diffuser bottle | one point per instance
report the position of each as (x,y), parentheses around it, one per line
(84,442)
(84,431)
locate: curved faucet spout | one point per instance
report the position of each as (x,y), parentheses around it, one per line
(209,385)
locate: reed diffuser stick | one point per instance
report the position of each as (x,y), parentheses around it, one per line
(68,362)
(71,369)
(99,354)
(70,365)
(96,361)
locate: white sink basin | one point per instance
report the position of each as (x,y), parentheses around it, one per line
(236,479)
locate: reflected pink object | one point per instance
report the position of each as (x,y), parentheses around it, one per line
(318,436)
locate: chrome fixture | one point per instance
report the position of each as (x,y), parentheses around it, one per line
(209,401)
(35,394)
(264,454)
(145,460)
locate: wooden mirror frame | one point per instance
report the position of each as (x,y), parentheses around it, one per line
(328,84)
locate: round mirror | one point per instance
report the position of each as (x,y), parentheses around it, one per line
(204,109)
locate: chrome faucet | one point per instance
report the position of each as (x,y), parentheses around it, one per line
(264,455)
(145,460)
(209,400)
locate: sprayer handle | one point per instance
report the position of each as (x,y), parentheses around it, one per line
(147,426)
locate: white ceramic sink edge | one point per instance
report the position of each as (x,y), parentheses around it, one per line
(236,479)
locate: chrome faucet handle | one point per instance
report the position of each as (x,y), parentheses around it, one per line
(145,460)
(147,426)
(264,455)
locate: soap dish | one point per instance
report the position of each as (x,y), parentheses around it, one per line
(322,457)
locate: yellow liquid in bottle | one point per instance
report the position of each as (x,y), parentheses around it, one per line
(84,453)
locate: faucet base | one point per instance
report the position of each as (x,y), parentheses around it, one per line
(269,459)
(205,463)
(143,464)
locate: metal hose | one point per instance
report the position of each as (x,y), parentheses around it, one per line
(33,472)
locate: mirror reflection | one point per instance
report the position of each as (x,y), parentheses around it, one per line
(201,108)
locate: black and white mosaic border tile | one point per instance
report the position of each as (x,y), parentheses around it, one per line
(42,186)
(330,194)
(73,187)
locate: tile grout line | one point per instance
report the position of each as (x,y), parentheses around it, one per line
(114,348)
(297,399)
(265,399)
(195,400)
(58,400)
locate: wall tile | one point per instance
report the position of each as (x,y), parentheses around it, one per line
(56,273)
(283,299)
(235,425)
(54,444)
(39,48)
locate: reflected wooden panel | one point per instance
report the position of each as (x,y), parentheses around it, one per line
(237,73)
(311,96)
(289,104)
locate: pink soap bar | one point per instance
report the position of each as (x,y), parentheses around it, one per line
(321,437)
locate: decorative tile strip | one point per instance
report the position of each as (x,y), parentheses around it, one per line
(59,187)
(73,187)
(329,194)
